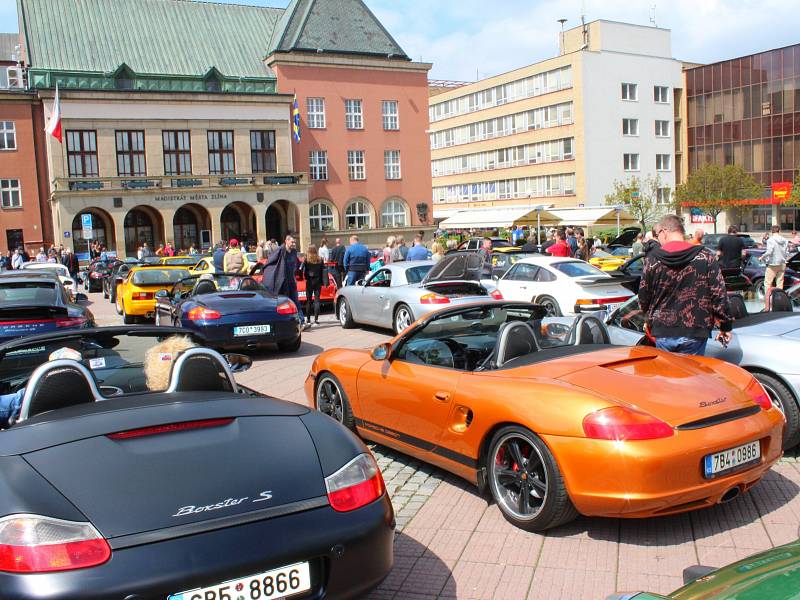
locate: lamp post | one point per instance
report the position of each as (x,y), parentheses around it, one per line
(618,209)
(538,210)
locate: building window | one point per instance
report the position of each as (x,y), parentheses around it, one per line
(10,194)
(318,165)
(82,153)
(355,165)
(393,214)
(630,126)
(130,154)
(321,216)
(391,164)
(662,195)
(662,128)
(10,77)
(177,152)
(630,162)
(353,117)
(262,152)
(14,239)
(630,91)
(315,108)
(356,215)
(220,153)
(660,94)
(8,135)
(663,162)
(391,120)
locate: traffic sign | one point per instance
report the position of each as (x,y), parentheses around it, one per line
(635,195)
(86,225)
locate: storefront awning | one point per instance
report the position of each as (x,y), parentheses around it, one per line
(488,218)
(593,217)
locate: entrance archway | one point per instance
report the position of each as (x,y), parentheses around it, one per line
(238,220)
(102,230)
(143,225)
(282,218)
(188,223)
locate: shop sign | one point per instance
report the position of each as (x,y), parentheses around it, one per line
(698,216)
(191,197)
(781,190)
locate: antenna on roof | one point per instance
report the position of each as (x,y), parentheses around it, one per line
(561,37)
(653,15)
(583,25)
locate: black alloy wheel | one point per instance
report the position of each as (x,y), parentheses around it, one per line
(331,400)
(550,304)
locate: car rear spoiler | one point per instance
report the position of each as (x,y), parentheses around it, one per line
(598,281)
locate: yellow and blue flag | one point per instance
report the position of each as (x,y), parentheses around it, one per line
(296,119)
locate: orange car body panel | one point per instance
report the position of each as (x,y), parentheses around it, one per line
(447,417)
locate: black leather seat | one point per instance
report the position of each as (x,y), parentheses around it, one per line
(514,339)
(201,372)
(205,287)
(590,330)
(738,307)
(779,301)
(59,386)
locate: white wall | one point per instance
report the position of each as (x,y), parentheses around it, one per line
(633,39)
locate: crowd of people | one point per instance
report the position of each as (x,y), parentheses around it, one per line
(53,255)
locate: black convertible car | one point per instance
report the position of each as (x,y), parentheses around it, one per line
(135,470)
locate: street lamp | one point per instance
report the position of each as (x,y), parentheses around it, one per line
(618,209)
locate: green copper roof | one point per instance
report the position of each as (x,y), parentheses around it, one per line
(338,26)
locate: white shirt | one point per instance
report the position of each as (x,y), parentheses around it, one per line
(324,253)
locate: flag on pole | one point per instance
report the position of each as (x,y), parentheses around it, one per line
(296,119)
(54,126)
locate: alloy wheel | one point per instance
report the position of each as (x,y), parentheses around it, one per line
(402,319)
(519,477)
(551,308)
(329,399)
(343,312)
(773,396)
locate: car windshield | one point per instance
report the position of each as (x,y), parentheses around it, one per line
(31,292)
(577,268)
(224,283)
(158,276)
(417,274)
(188,261)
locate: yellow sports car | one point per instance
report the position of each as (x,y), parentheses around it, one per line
(136,295)
(605,261)
(180,261)
(206,265)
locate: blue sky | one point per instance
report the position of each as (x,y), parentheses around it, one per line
(468,37)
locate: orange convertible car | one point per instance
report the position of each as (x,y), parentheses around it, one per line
(553,420)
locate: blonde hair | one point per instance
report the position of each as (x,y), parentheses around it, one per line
(436,248)
(390,241)
(158,361)
(312,255)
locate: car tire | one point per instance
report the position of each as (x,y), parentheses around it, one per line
(112,295)
(292,346)
(757,288)
(344,314)
(546,503)
(403,318)
(126,318)
(784,400)
(551,304)
(331,399)
(118,305)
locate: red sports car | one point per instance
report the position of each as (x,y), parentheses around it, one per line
(327,294)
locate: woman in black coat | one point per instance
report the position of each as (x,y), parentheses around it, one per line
(313,271)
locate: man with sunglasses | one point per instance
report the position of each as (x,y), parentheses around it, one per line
(682,292)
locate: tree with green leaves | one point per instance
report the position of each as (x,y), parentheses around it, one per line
(639,197)
(713,189)
(794,197)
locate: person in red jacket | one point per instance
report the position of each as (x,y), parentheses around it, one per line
(560,248)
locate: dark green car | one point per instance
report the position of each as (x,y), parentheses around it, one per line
(770,575)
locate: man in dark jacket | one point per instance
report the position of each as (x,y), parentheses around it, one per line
(279,273)
(337,256)
(219,258)
(682,292)
(356,260)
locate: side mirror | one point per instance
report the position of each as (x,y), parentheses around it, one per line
(79,297)
(361,282)
(238,362)
(381,352)
(161,294)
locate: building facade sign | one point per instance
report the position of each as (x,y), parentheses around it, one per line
(191,197)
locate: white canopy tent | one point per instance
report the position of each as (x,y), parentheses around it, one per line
(493,217)
(601,216)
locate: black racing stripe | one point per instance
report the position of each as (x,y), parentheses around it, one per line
(721,418)
(418,443)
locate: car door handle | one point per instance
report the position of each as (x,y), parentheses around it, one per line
(442,396)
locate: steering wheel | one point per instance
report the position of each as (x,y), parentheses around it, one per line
(459,353)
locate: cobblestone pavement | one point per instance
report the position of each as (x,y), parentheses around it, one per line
(451,543)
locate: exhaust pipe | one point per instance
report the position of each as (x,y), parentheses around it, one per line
(729,495)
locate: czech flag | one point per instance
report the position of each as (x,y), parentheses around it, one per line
(54,126)
(296,119)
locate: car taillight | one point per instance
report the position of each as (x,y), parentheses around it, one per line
(434,299)
(287,308)
(35,544)
(758,394)
(356,484)
(70,321)
(496,295)
(621,423)
(142,296)
(616,300)
(200,313)
(95,275)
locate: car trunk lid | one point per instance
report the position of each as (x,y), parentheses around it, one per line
(17,321)
(459,266)
(234,302)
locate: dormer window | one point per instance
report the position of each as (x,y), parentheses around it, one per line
(212,81)
(124,78)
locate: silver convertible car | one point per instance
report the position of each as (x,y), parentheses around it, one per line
(398,294)
(767,344)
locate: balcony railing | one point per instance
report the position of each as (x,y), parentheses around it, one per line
(239,180)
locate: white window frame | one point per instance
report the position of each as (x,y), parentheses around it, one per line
(663,195)
(356,165)
(393,214)
(318,165)
(659,92)
(9,187)
(630,161)
(391,164)
(353,114)
(390,110)
(663,162)
(662,128)
(632,126)
(627,88)
(12,77)
(320,216)
(359,212)
(8,135)
(315,113)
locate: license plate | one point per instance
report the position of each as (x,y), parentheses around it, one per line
(252,330)
(277,583)
(612,307)
(726,460)
(301,294)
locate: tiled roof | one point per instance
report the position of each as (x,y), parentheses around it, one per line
(8,42)
(339,26)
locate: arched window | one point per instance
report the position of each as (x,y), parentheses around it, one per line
(321,216)
(393,213)
(356,215)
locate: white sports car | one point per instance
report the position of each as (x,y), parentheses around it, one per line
(562,285)
(63,275)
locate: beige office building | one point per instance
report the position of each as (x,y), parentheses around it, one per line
(559,132)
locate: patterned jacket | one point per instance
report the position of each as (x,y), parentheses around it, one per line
(682,292)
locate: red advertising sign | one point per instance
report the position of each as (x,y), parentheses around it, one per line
(781,190)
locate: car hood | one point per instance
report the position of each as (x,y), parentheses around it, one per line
(460,266)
